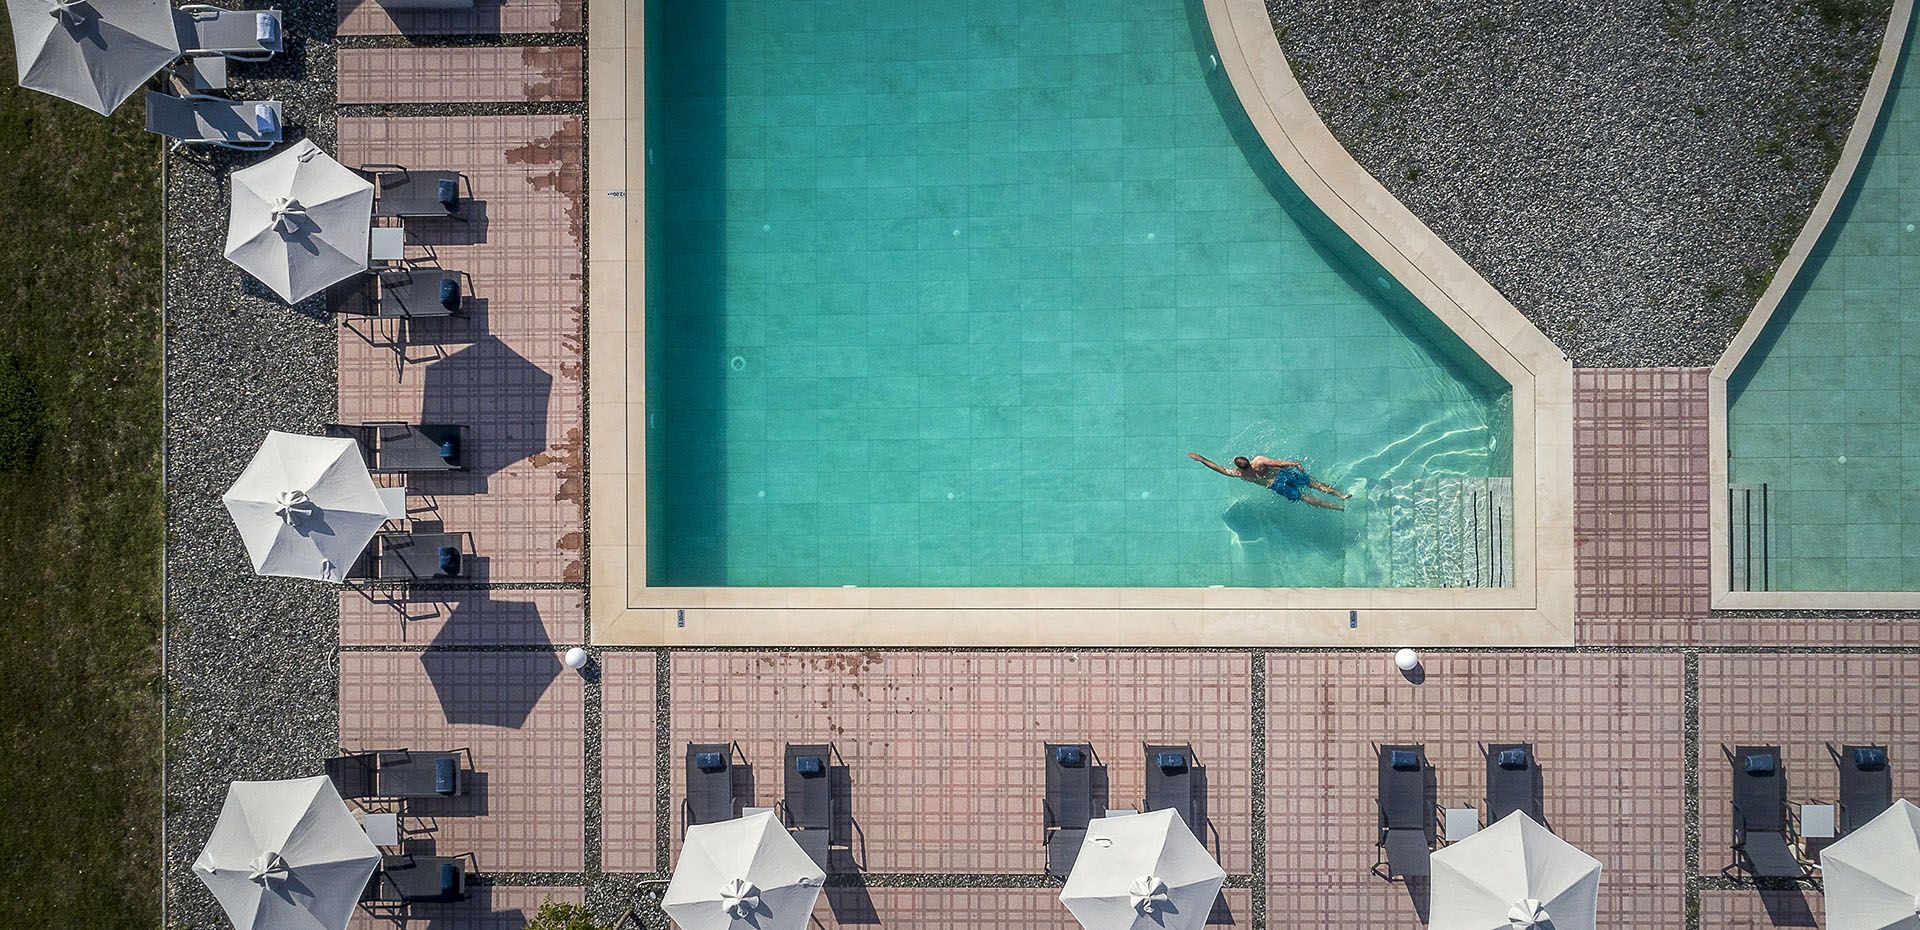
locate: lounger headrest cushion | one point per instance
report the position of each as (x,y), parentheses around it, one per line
(446,775)
(266,119)
(449,878)
(709,761)
(1069,756)
(1512,758)
(450,448)
(450,561)
(1761,763)
(809,765)
(266,28)
(1172,762)
(1870,758)
(1404,760)
(449,291)
(449,192)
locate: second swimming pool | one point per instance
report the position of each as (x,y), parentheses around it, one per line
(943,294)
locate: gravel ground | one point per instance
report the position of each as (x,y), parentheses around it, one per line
(1628,174)
(252,674)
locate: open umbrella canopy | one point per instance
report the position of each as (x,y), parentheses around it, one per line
(306,506)
(1873,874)
(1142,872)
(287,855)
(299,221)
(1514,875)
(95,53)
(742,873)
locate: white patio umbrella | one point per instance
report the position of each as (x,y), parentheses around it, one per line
(742,873)
(299,221)
(95,53)
(1873,873)
(287,855)
(1514,875)
(305,506)
(1144,872)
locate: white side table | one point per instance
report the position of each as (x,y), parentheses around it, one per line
(1120,812)
(750,811)
(1817,821)
(386,244)
(1461,822)
(382,829)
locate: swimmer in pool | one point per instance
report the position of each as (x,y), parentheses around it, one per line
(1283,478)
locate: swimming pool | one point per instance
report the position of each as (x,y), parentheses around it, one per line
(1823,417)
(942,295)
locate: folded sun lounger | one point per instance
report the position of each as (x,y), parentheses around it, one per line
(1513,782)
(405,193)
(1866,785)
(242,35)
(410,879)
(1406,813)
(1761,839)
(1171,784)
(808,798)
(1068,807)
(198,119)
(709,783)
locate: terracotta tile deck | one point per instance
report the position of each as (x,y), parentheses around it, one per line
(512,371)
(1800,703)
(1607,731)
(522,714)
(1748,909)
(983,908)
(492,907)
(462,618)
(1641,526)
(460,75)
(945,750)
(488,17)
(628,787)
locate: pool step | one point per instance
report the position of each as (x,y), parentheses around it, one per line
(1434,532)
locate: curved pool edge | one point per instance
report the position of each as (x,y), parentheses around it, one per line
(1540,374)
(1723,597)
(625,611)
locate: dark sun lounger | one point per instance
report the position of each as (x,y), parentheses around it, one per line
(709,783)
(808,799)
(1068,807)
(1513,782)
(1406,814)
(1762,841)
(1866,785)
(1171,783)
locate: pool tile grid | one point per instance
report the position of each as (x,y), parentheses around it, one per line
(944,749)
(1607,731)
(460,75)
(1801,703)
(523,716)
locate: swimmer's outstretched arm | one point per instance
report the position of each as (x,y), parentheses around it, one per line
(1235,473)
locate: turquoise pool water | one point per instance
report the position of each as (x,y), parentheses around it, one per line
(942,294)
(1824,413)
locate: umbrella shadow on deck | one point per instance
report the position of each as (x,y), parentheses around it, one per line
(497,689)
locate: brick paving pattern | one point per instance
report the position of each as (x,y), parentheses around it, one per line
(1801,703)
(982,908)
(944,750)
(1606,729)
(461,618)
(488,17)
(511,372)
(524,717)
(628,788)
(492,907)
(1641,524)
(460,75)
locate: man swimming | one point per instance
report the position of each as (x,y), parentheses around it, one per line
(1283,478)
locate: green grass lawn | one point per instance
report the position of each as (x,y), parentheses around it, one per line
(81,513)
